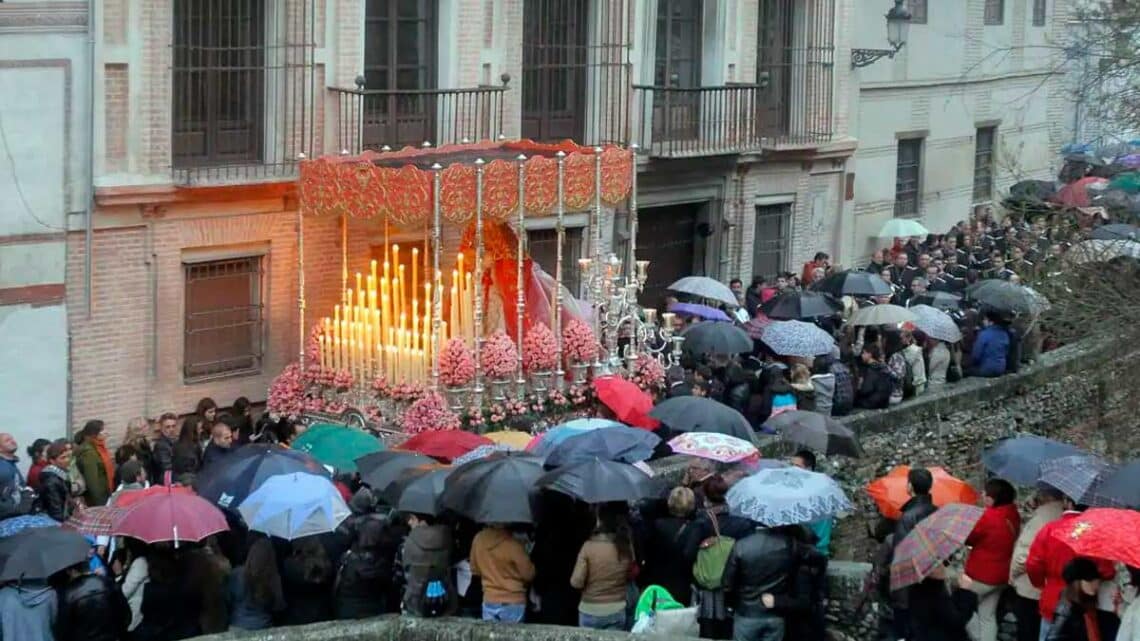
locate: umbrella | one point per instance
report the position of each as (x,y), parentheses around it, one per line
(854,283)
(705,287)
(483,451)
(715,338)
(889,492)
(1102,251)
(96,521)
(171,516)
(804,305)
(1003,296)
(16,524)
(626,400)
(496,489)
(817,432)
(513,439)
(786,496)
(700,311)
(127,498)
(1076,194)
(902,228)
(232,478)
(1128,182)
(1018,459)
(934,540)
(699,414)
(1116,231)
(379,469)
(292,506)
(39,553)
(1077,476)
(935,323)
(797,338)
(444,445)
(542,443)
(881,315)
(1103,533)
(337,445)
(944,301)
(715,447)
(598,481)
(625,444)
(418,493)
(1123,485)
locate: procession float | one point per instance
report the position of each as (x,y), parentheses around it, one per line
(481,338)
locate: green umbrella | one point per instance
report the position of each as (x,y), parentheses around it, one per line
(337,445)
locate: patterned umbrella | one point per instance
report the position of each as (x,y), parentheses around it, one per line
(797,338)
(854,283)
(889,492)
(817,432)
(804,305)
(715,447)
(715,338)
(96,521)
(881,315)
(16,524)
(935,539)
(787,496)
(944,301)
(705,287)
(483,451)
(700,311)
(902,228)
(1123,485)
(936,323)
(1078,477)
(1018,459)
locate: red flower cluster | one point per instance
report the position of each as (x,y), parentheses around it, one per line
(429,414)
(540,349)
(499,356)
(648,374)
(579,343)
(343,379)
(456,363)
(287,393)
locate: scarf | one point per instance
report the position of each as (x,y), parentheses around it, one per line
(51,469)
(1092,626)
(108,467)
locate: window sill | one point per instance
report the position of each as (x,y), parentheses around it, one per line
(209,378)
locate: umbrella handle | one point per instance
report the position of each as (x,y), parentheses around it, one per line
(168,478)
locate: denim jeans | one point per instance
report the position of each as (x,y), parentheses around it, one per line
(1045,625)
(770,628)
(504,612)
(615,621)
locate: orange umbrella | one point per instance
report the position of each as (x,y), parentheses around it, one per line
(889,492)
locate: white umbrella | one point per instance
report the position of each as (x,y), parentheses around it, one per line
(291,506)
(881,315)
(705,287)
(902,228)
(936,323)
(786,496)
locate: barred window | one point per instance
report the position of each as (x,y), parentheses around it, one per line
(908,177)
(917,9)
(984,163)
(995,12)
(1038,13)
(772,239)
(224,322)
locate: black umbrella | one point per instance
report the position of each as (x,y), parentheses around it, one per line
(496,489)
(699,414)
(854,283)
(804,305)
(1116,231)
(418,492)
(944,301)
(1003,296)
(816,432)
(598,481)
(39,553)
(379,469)
(710,337)
(232,478)
(625,444)
(1018,459)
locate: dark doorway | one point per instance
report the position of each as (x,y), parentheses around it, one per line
(667,239)
(555,57)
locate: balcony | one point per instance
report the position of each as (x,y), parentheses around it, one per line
(374,118)
(698,121)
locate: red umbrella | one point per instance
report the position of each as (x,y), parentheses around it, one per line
(1103,533)
(1076,194)
(445,445)
(128,498)
(170,516)
(626,400)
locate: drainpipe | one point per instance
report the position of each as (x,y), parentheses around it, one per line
(89,193)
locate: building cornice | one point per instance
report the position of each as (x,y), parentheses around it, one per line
(39,17)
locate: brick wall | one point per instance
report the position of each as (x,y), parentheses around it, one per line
(116,96)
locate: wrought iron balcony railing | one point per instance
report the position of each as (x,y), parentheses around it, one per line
(698,121)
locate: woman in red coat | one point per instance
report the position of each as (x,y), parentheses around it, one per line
(991,550)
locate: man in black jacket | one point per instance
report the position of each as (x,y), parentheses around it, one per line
(758,576)
(91,608)
(164,446)
(919,482)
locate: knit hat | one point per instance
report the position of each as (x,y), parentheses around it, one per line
(1080,569)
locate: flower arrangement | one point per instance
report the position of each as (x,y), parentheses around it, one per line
(499,356)
(648,374)
(287,393)
(429,414)
(342,380)
(579,343)
(540,349)
(456,363)
(406,392)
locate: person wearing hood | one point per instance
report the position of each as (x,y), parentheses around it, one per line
(424,558)
(991,551)
(823,385)
(362,583)
(55,482)
(29,609)
(501,561)
(1076,617)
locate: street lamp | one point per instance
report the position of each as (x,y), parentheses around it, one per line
(898,25)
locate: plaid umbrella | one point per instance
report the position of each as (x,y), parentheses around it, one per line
(96,521)
(797,338)
(935,539)
(936,323)
(1079,477)
(16,524)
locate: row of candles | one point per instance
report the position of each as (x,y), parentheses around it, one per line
(381,328)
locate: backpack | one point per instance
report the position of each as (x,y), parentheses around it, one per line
(712,557)
(908,379)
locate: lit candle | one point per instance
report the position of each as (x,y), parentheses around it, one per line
(376,340)
(403,289)
(469,308)
(367,350)
(415,267)
(397,273)
(358,287)
(415,323)
(335,352)
(454,316)
(372,269)
(321,342)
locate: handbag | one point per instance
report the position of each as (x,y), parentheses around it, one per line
(712,557)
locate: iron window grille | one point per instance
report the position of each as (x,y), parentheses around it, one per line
(908,177)
(224,318)
(984,163)
(771,239)
(795,70)
(995,12)
(1039,11)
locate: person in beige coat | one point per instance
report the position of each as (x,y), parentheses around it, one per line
(1048,508)
(602,573)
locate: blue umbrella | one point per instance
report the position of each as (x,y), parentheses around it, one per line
(229,481)
(624,444)
(291,506)
(16,524)
(1018,459)
(555,435)
(1078,477)
(786,496)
